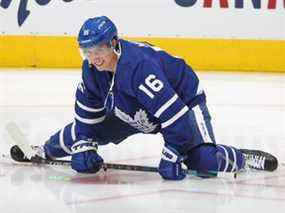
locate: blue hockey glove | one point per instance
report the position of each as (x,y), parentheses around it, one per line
(85,158)
(170,164)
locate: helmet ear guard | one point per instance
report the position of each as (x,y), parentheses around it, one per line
(114,43)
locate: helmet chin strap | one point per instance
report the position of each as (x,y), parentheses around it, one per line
(117,48)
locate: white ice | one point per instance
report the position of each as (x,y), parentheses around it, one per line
(248,111)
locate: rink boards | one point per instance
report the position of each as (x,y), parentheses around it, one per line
(209,34)
(202,54)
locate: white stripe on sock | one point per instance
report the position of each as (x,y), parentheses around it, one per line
(73,136)
(226,158)
(61,142)
(234,166)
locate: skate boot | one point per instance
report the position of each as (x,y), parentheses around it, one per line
(18,155)
(259,160)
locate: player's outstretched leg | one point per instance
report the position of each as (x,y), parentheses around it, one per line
(111,130)
(210,158)
(57,146)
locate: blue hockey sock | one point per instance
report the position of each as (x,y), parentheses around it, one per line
(59,144)
(211,158)
(230,159)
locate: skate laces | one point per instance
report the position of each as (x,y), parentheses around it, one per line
(255,161)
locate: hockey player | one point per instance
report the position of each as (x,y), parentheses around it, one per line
(130,88)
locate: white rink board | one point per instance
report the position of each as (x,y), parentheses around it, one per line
(159,18)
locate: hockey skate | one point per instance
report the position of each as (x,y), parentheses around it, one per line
(18,155)
(259,160)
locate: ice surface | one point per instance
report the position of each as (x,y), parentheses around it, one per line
(248,111)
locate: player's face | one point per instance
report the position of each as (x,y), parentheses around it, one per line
(102,57)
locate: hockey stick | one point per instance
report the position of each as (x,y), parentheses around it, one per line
(20,139)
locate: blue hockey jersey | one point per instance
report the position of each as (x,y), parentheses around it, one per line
(151,91)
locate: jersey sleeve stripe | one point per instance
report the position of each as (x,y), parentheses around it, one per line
(89,121)
(199,89)
(165,106)
(61,142)
(89,109)
(175,117)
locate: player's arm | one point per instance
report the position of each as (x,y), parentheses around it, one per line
(89,106)
(89,113)
(156,94)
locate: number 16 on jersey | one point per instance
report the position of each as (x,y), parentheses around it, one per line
(152,84)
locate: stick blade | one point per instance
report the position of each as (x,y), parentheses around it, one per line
(20,139)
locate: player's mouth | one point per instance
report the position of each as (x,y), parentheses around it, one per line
(99,63)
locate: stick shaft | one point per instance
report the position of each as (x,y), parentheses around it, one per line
(105,166)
